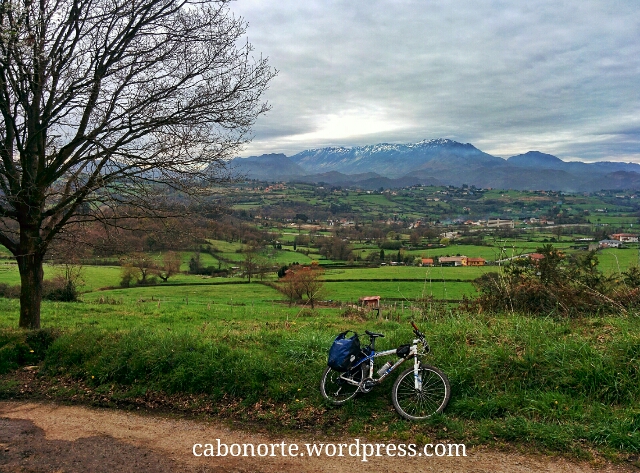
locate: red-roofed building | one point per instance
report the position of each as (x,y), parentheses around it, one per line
(535,257)
(625,237)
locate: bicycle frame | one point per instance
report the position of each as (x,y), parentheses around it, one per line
(418,392)
(413,353)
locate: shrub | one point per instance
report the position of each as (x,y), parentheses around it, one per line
(353,313)
(10,292)
(60,289)
(391,245)
(128,275)
(20,348)
(555,284)
(56,289)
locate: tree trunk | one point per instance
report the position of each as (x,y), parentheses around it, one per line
(31,275)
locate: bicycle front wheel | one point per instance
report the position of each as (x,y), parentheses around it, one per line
(430,396)
(336,388)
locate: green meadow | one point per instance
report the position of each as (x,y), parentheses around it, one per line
(227,348)
(564,386)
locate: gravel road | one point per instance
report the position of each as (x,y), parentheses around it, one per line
(41,437)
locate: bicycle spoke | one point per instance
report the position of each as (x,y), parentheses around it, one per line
(339,387)
(415,403)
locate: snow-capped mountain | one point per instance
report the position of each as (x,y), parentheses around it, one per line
(393,160)
(439,161)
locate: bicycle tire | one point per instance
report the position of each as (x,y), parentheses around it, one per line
(418,405)
(334,389)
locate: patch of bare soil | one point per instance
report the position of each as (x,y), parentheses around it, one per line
(24,448)
(42,437)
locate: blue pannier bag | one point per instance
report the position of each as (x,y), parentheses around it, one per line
(344,351)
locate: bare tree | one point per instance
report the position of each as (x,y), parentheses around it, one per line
(264,266)
(310,282)
(302,281)
(108,106)
(171,262)
(250,263)
(144,264)
(290,286)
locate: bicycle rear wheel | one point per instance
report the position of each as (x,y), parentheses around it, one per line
(416,404)
(335,386)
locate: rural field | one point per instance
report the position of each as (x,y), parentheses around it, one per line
(221,338)
(199,200)
(567,386)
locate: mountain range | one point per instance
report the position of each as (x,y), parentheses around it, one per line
(437,162)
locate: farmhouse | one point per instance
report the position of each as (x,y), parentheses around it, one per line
(452,260)
(450,235)
(610,243)
(427,261)
(625,237)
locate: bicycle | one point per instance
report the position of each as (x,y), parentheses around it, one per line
(418,392)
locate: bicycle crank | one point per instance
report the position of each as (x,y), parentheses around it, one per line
(367,385)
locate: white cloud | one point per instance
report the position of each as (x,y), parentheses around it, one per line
(559,77)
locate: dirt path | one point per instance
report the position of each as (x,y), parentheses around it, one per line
(38,437)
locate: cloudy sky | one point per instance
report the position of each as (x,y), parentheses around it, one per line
(562,77)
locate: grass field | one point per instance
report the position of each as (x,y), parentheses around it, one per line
(224,347)
(614,260)
(157,307)
(613,220)
(397,282)
(565,386)
(351,291)
(93,277)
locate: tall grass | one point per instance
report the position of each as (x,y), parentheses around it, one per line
(561,385)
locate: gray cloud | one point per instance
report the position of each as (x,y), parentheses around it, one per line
(559,77)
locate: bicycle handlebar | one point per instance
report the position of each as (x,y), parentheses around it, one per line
(416,330)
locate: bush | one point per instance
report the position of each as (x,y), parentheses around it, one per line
(60,289)
(555,284)
(128,275)
(391,245)
(21,348)
(10,292)
(210,271)
(353,313)
(56,289)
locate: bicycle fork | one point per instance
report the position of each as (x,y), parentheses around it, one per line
(417,379)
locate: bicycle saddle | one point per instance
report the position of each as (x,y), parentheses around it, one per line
(373,334)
